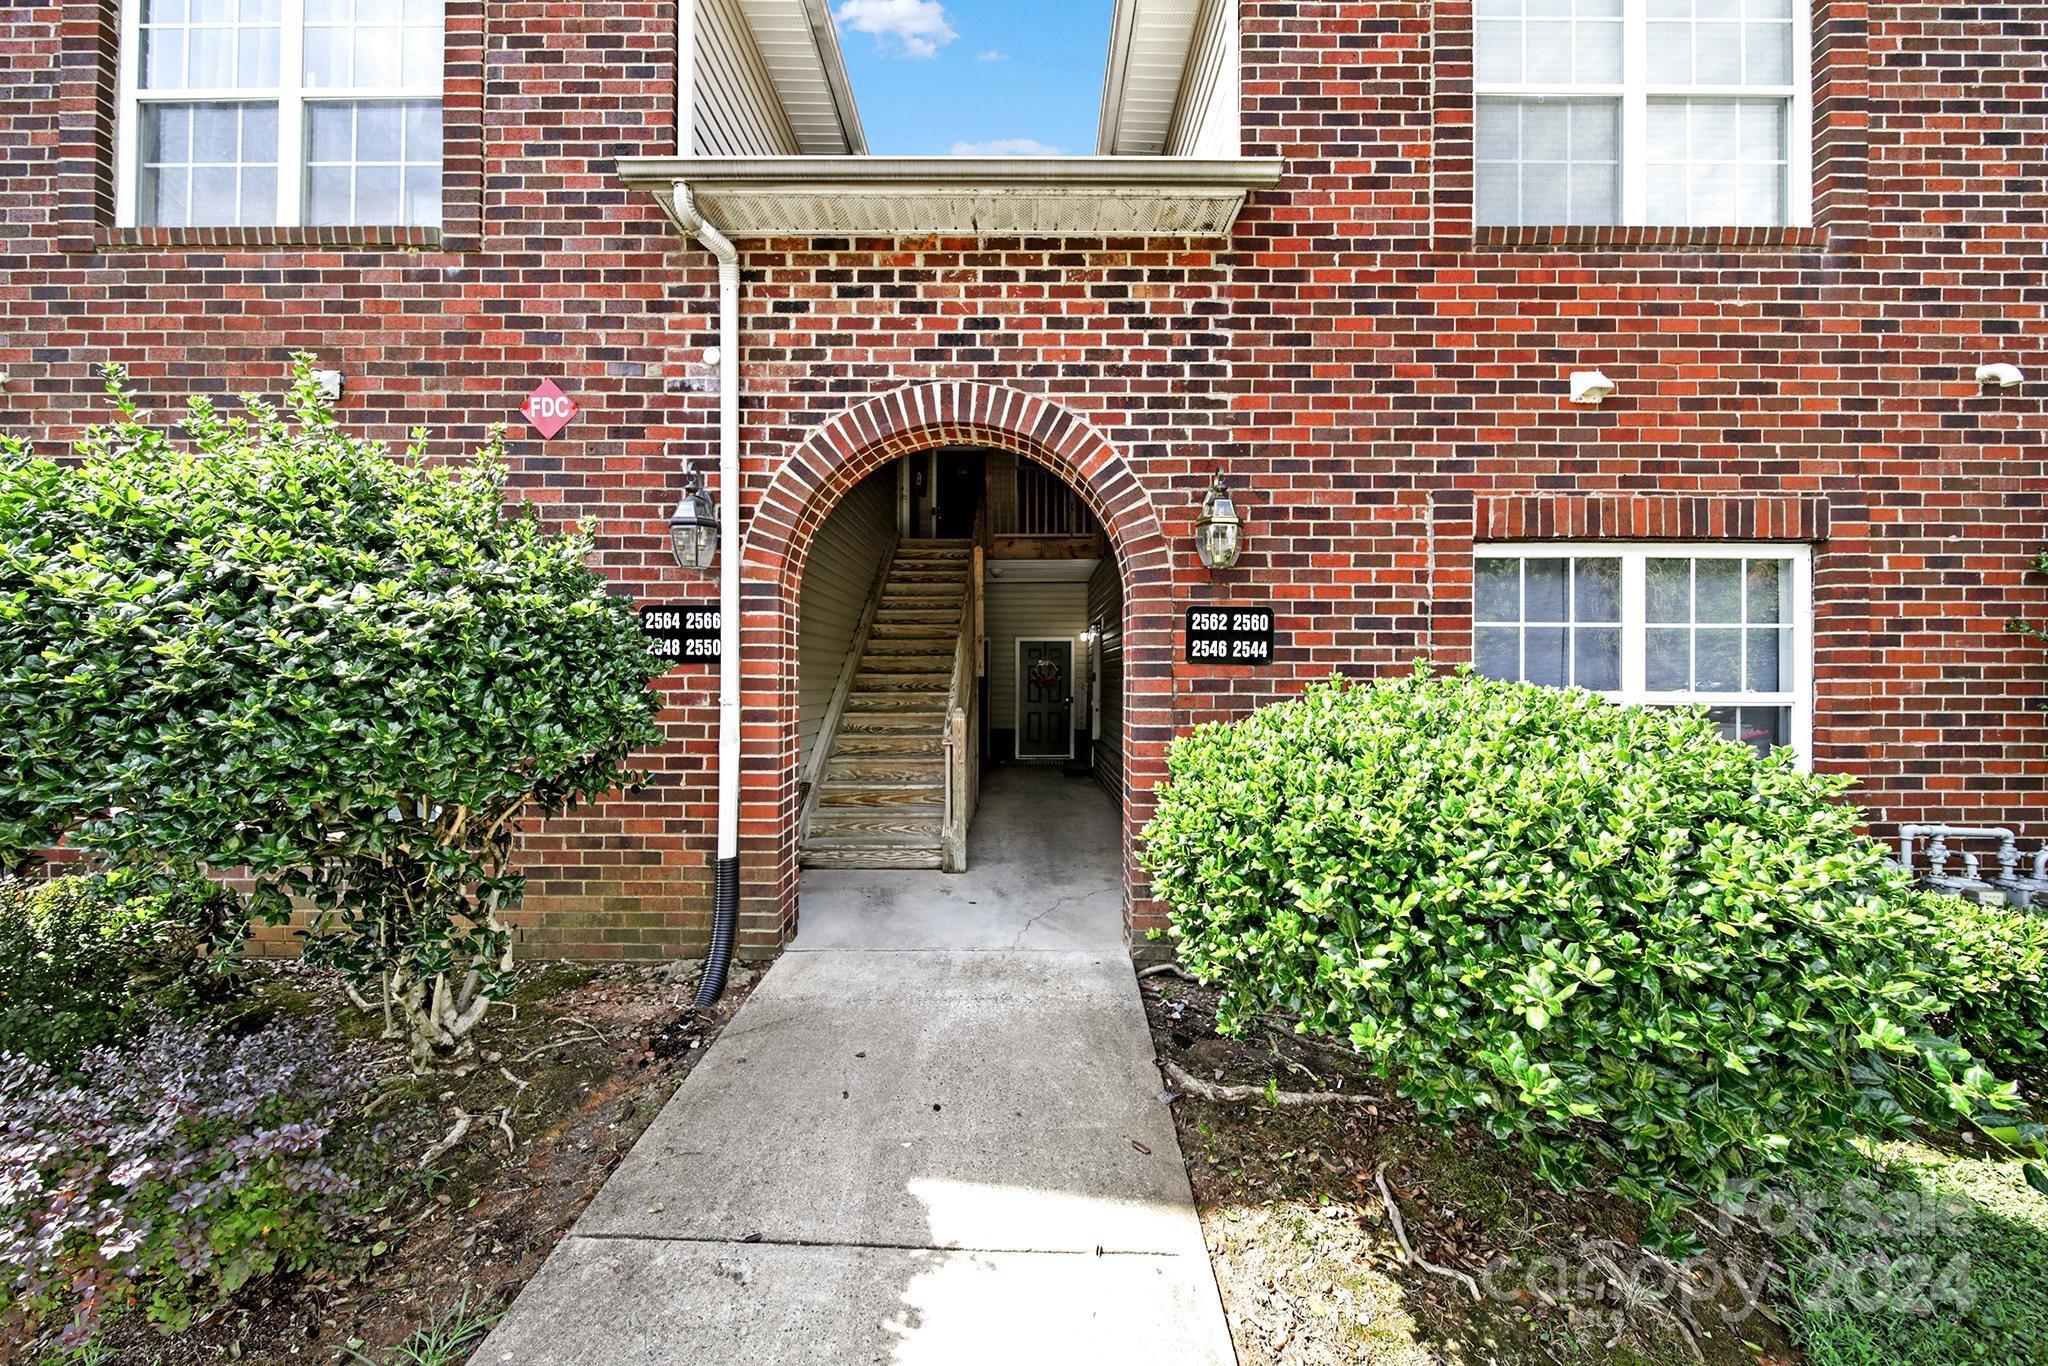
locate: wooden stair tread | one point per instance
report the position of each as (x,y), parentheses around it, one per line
(908,769)
(906,651)
(912,835)
(872,858)
(937,684)
(902,798)
(891,742)
(906,664)
(849,822)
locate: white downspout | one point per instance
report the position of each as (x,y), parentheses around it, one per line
(725,913)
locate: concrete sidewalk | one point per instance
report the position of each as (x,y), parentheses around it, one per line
(932,1135)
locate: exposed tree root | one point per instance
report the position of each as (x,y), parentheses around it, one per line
(505,1128)
(1637,1297)
(448,1140)
(1238,1095)
(1408,1249)
(596,1035)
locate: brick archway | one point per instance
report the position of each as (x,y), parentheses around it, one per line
(785,519)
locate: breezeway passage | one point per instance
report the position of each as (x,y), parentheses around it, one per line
(933,1134)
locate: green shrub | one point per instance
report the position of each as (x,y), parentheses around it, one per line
(277,647)
(1643,953)
(1991,969)
(84,958)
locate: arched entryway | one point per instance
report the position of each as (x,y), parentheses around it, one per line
(785,523)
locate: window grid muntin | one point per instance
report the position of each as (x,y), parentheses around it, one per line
(415,26)
(290,96)
(185,162)
(1759,26)
(405,163)
(250,26)
(1682,176)
(1795,606)
(1572,622)
(1585,176)
(1745,629)
(1588,33)
(1635,91)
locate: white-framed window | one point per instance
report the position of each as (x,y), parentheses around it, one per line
(1727,626)
(1643,112)
(259,113)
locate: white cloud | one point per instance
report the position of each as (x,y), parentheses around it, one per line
(918,26)
(994,54)
(1005,147)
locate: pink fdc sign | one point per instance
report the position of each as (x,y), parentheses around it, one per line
(548,408)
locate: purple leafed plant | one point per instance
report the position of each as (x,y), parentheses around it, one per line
(166,1172)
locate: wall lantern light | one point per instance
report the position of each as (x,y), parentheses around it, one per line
(2004,374)
(1219,531)
(1590,386)
(693,526)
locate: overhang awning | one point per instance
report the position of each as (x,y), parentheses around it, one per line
(864,196)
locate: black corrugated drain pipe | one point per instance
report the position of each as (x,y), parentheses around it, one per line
(725,919)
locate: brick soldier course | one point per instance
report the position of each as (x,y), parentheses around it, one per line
(1382,381)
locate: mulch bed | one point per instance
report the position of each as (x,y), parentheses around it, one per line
(1311,1269)
(577,1067)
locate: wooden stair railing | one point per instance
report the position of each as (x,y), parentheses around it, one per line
(963,711)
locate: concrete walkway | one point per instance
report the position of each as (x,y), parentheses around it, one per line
(932,1135)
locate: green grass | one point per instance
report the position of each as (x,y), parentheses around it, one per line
(447,1339)
(1938,1258)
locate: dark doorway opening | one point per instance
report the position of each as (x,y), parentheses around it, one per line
(957,498)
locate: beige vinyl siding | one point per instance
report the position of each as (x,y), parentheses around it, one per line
(1106,612)
(734,108)
(838,580)
(1031,611)
(1205,118)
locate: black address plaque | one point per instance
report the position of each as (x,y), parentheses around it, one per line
(682,633)
(1230,635)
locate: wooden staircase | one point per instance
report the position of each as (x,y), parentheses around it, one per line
(881,797)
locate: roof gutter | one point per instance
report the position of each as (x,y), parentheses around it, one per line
(658,173)
(848,196)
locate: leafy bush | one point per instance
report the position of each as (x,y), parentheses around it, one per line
(172,1171)
(278,647)
(1991,966)
(1630,946)
(83,958)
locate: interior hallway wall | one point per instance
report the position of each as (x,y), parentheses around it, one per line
(838,581)
(1031,611)
(1106,614)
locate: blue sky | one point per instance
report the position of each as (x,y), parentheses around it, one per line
(976,77)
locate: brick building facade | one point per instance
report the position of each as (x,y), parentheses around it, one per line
(1382,377)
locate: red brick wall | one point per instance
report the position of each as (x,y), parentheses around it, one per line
(1382,382)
